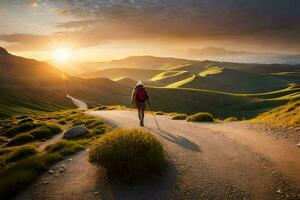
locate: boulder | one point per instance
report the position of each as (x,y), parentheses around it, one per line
(76,132)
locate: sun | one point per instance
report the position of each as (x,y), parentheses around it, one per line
(62,55)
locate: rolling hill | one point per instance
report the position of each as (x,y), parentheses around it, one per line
(175,85)
(30,86)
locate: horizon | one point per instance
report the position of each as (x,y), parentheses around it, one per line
(98,31)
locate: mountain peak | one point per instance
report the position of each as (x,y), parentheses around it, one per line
(3,52)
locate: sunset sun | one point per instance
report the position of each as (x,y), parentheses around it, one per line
(61,55)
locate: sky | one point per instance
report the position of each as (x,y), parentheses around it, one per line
(97,30)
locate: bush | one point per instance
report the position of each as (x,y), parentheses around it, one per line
(128,154)
(21,139)
(231,119)
(179,117)
(201,117)
(42,133)
(27,126)
(99,130)
(159,113)
(21,153)
(64,147)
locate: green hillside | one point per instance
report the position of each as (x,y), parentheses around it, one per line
(286,115)
(118,73)
(175,85)
(29,86)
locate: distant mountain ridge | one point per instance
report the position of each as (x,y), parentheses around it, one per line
(222,54)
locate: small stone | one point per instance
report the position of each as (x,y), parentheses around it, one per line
(61,170)
(70,159)
(63,166)
(51,171)
(298,145)
(279,191)
(45,182)
(297,129)
(96,192)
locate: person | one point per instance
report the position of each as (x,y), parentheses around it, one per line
(139,97)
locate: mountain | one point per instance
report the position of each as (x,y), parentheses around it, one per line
(222,54)
(27,85)
(217,51)
(137,62)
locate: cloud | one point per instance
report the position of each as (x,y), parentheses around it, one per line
(266,23)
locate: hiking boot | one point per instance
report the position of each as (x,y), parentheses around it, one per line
(141,123)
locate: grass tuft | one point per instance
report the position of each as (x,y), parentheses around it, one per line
(201,117)
(27,126)
(179,116)
(21,139)
(128,154)
(64,147)
(230,119)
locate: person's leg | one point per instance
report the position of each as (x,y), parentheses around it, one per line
(143,107)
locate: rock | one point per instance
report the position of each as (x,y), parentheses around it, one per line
(45,182)
(63,166)
(279,191)
(298,145)
(51,171)
(70,159)
(297,129)
(76,132)
(96,192)
(61,170)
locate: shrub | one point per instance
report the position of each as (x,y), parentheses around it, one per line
(179,117)
(27,126)
(42,133)
(201,117)
(21,153)
(21,139)
(159,113)
(99,130)
(54,128)
(128,154)
(64,147)
(230,119)
(15,178)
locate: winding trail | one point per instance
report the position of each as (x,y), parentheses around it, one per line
(80,104)
(206,161)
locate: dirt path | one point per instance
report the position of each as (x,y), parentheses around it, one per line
(206,161)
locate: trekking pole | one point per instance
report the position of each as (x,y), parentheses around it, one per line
(153,115)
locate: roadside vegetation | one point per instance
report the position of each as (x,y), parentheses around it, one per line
(20,160)
(286,115)
(128,154)
(201,117)
(179,116)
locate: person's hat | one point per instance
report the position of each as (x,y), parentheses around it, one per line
(139,83)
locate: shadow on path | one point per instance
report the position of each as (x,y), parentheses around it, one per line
(179,140)
(157,188)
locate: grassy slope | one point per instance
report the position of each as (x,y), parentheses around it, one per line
(190,101)
(117,73)
(285,115)
(230,80)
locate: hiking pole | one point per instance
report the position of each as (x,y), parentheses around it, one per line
(153,114)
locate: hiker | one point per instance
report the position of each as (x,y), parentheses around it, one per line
(139,97)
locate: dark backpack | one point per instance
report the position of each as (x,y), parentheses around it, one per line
(141,94)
